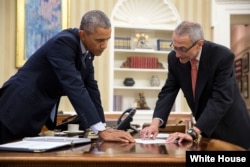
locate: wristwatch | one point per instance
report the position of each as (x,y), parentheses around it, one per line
(193,134)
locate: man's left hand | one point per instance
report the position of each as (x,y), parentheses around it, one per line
(178,137)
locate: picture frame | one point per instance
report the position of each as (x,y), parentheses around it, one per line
(245,86)
(238,68)
(163,44)
(245,62)
(239,81)
(37,21)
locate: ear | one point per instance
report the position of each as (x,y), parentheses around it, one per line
(201,42)
(82,34)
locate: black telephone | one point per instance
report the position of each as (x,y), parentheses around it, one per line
(125,124)
(121,124)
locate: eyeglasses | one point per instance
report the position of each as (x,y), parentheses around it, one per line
(182,49)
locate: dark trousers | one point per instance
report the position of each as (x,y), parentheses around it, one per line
(5,135)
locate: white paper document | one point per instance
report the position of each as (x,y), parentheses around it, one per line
(150,141)
(41,144)
(162,135)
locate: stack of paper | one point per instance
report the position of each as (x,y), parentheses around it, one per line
(42,144)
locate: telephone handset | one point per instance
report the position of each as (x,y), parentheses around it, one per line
(125,123)
(121,124)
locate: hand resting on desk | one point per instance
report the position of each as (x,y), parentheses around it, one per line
(116,135)
(152,131)
(178,137)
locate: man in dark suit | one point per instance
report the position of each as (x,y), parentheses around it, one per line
(216,103)
(62,66)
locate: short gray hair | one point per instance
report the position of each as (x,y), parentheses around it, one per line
(192,29)
(93,19)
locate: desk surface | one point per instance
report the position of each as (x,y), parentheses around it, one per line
(107,154)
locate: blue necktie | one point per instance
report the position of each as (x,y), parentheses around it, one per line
(83,58)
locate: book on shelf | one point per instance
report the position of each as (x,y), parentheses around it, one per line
(122,43)
(148,62)
(117,103)
(163,44)
(42,143)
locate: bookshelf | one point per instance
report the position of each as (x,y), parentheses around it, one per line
(139,50)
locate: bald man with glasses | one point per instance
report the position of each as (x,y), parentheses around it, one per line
(216,102)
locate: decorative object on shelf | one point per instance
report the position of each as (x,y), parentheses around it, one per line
(126,64)
(129,82)
(141,102)
(160,65)
(155,81)
(142,41)
(163,44)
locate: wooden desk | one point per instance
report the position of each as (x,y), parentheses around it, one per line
(112,154)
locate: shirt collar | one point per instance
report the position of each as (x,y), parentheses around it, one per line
(83,49)
(198,56)
(85,52)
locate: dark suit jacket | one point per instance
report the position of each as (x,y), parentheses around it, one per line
(218,108)
(54,70)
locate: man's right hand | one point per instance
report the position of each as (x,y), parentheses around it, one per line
(116,135)
(150,131)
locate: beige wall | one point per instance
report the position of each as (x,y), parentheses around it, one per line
(195,10)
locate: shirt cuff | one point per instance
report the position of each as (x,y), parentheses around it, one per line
(161,121)
(98,127)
